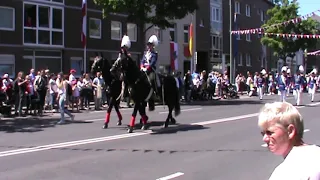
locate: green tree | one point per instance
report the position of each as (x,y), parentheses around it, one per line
(284,47)
(155,12)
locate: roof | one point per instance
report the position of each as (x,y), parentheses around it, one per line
(316,17)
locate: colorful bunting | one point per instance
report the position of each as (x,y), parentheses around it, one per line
(257,30)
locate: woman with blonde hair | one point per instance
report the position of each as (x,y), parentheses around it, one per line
(62,85)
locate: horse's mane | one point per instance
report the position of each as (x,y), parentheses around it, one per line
(106,66)
(132,72)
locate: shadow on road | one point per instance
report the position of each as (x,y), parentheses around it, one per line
(30,124)
(222,102)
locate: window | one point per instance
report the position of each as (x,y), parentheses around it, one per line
(248,37)
(237,7)
(262,15)
(43,25)
(248,59)
(95,28)
(215,14)
(240,59)
(216,42)
(116,30)
(158,33)
(238,36)
(77,64)
(186,33)
(172,31)
(132,31)
(248,10)
(7,64)
(7,18)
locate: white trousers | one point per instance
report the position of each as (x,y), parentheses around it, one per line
(297,96)
(283,95)
(260,92)
(312,92)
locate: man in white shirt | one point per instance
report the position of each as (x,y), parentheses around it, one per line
(282,129)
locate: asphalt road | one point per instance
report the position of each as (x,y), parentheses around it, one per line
(212,141)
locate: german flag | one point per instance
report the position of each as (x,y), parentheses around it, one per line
(191,39)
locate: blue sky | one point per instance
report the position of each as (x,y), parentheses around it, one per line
(308,6)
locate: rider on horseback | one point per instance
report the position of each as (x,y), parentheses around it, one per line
(125,45)
(148,65)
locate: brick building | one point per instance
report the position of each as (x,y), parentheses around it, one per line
(47,34)
(249,53)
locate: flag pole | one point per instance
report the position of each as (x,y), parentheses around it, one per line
(192,59)
(85,44)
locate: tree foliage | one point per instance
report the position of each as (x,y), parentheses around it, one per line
(155,12)
(283,47)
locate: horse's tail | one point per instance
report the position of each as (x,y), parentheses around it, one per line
(177,109)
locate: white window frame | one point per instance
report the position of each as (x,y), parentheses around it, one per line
(135,36)
(237,7)
(8,59)
(248,59)
(214,17)
(248,37)
(37,28)
(100,33)
(262,15)
(186,32)
(240,59)
(49,1)
(13,18)
(248,10)
(175,34)
(120,34)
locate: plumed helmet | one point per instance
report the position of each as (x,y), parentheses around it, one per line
(301,68)
(153,40)
(288,71)
(314,71)
(126,41)
(263,72)
(284,69)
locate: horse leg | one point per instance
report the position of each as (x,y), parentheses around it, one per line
(169,117)
(144,117)
(110,106)
(133,118)
(116,107)
(147,118)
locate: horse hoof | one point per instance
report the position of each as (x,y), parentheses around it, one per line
(130,130)
(165,125)
(119,123)
(173,121)
(144,127)
(141,121)
(105,126)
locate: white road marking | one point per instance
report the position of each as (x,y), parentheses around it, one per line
(183,110)
(116,137)
(171,176)
(265,145)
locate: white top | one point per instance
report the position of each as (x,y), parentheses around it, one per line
(302,163)
(53,86)
(71,78)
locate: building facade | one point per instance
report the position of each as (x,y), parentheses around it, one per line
(248,52)
(174,41)
(216,35)
(47,34)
